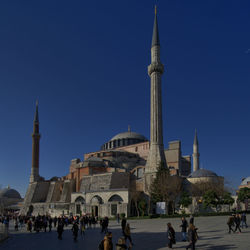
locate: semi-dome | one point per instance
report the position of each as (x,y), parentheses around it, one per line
(131,135)
(202,173)
(245,181)
(10,193)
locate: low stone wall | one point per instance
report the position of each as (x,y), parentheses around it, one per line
(4,233)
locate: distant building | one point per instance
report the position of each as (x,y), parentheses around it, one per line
(10,200)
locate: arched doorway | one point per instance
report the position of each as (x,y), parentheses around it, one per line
(96,201)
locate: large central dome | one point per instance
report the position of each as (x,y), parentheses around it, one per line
(131,135)
(124,139)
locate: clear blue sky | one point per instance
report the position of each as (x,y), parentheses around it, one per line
(86,63)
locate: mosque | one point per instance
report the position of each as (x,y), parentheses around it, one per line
(104,182)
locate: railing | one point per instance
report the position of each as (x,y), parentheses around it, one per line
(4,232)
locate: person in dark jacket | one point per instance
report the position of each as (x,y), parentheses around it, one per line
(191,220)
(237,223)
(123,224)
(192,236)
(75,230)
(184,226)
(230,223)
(170,235)
(60,226)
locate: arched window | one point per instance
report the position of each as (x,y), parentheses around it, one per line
(115,198)
(79,199)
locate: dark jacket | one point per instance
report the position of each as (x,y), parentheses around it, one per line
(183,226)
(192,236)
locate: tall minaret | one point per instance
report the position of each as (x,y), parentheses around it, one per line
(155,70)
(196,154)
(35,148)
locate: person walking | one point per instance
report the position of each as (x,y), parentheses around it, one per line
(123,224)
(127,234)
(244,220)
(237,223)
(108,244)
(118,218)
(82,229)
(192,236)
(60,229)
(75,230)
(50,224)
(16,224)
(29,226)
(55,221)
(170,235)
(191,220)
(230,223)
(184,226)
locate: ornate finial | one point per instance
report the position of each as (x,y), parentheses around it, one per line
(129,128)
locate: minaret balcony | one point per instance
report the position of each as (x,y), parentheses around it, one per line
(155,67)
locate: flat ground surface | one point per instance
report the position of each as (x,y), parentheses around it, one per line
(147,234)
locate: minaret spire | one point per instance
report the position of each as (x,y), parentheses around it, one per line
(155,37)
(156,154)
(196,154)
(35,148)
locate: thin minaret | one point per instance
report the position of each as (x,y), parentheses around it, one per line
(196,154)
(155,70)
(35,148)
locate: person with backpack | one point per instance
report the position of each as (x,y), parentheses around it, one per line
(170,235)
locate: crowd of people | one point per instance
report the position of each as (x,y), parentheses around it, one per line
(186,230)
(237,221)
(79,224)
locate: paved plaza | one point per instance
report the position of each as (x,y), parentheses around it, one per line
(147,234)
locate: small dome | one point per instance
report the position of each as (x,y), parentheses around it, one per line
(202,173)
(245,181)
(10,193)
(131,135)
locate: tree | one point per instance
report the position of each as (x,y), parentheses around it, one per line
(185,199)
(158,188)
(227,199)
(165,188)
(136,196)
(244,195)
(210,199)
(142,205)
